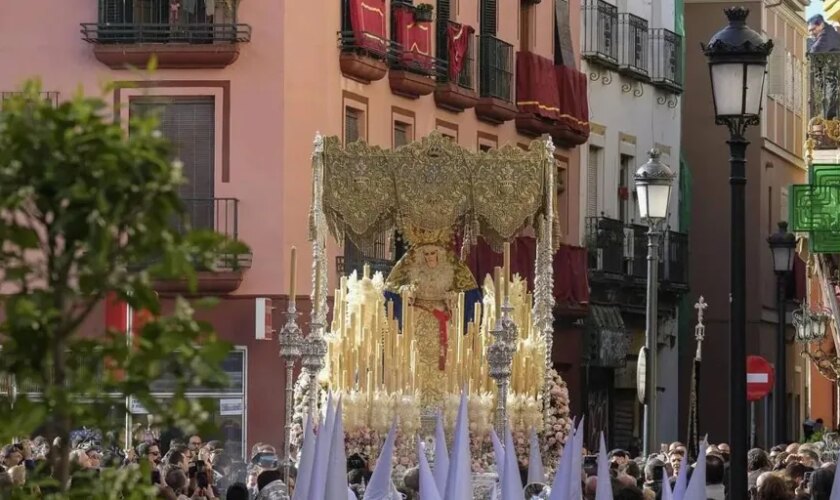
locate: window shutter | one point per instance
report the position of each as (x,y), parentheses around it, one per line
(351,126)
(488,17)
(444,10)
(592,182)
(116,11)
(190,124)
(776,74)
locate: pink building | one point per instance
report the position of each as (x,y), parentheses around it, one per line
(244,85)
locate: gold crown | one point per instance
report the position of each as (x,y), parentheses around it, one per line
(418,236)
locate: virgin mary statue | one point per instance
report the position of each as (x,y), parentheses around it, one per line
(433,276)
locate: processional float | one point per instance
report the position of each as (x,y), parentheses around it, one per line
(402,347)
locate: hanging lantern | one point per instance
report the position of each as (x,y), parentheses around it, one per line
(810,326)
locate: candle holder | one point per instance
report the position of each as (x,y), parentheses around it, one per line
(500,361)
(290,340)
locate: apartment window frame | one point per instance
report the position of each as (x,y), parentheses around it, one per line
(356,106)
(594,163)
(486,142)
(402,119)
(447,129)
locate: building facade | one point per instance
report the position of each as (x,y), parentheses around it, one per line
(632,52)
(775,161)
(218,90)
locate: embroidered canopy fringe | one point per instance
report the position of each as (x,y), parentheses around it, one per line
(434,184)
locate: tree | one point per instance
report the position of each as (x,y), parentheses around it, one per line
(87,211)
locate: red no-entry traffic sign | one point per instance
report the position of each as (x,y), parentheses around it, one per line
(760,378)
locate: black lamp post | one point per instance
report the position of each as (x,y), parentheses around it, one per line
(653,186)
(737,63)
(783,246)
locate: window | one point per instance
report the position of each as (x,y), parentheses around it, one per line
(190,123)
(563,54)
(448,129)
(487,16)
(352,125)
(624,209)
(525,26)
(402,133)
(486,141)
(561,206)
(485,147)
(593,161)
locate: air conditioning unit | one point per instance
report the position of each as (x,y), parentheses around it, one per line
(263,312)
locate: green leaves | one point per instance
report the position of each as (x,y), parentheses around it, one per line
(88,211)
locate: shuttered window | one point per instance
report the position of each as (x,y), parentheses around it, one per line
(190,123)
(488,17)
(352,122)
(592,181)
(444,10)
(402,134)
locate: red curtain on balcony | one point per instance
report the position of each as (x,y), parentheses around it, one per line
(571,286)
(367,18)
(458,36)
(536,86)
(574,104)
(415,39)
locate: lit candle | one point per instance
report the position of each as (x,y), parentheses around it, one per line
(506,276)
(293,275)
(460,314)
(498,291)
(390,310)
(404,300)
(366,271)
(317,284)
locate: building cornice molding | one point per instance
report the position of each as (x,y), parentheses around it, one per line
(784,154)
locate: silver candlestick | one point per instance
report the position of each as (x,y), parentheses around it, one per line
(500,360)
(291,340)
(314,351)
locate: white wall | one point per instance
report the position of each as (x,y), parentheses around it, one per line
(641,113)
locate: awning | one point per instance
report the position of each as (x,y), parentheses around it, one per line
(607,343)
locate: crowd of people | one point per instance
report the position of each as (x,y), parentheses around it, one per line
(193,469)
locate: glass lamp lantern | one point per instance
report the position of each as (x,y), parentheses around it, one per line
(653,188)
(810,326)
(737,58)
(783,246)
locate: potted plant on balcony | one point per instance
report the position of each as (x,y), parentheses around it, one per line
(423,12)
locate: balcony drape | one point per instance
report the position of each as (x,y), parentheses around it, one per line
(367,18)
(571,285)
(574,104)
(415,39)
(458,36)
(536,86)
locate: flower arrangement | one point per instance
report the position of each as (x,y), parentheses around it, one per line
(558,422)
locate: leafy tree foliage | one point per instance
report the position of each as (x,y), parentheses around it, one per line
(88,211)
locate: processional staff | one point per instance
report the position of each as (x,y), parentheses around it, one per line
(694,410)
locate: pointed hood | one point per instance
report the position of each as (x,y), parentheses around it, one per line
(536,471)
(441,456)
(511,480)
(697,485)
(835,487)
(575,487)
(318,482)
(603,489)
(667,494)
(682,480)
(337,463)
(428,485)
(307,460)
(560,486)
(459,479)
(380,486)
(498,453)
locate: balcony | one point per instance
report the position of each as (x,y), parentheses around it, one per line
(456,89)
(618,254)
(666,70)
(129,32)
(51,97)
(220,215)
(363,40)
(824,84)
(600,22)
(414,68)
(495,74)
(634,47)
(374,254)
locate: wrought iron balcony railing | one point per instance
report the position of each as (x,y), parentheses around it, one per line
(51,97)
(354,259)
(666,68)
(466,77)
(605,242)
(600,37)
(153,21)
(220,215)
(495,68)
(633,46)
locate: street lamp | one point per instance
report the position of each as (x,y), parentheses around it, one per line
(737,64)
(783,247)
(653,189)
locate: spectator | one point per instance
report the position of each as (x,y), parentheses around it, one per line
(826,38)
(714,478)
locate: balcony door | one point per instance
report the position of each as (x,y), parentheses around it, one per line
(190,123)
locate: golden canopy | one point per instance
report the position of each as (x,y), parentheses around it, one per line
(434,184)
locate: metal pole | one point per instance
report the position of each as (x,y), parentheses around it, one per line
(781,363)
(738,317)
(650,442)
(752,424)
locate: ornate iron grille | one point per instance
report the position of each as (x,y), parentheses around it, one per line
(496,68)
(600,21)
(666,68)
(634,46)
